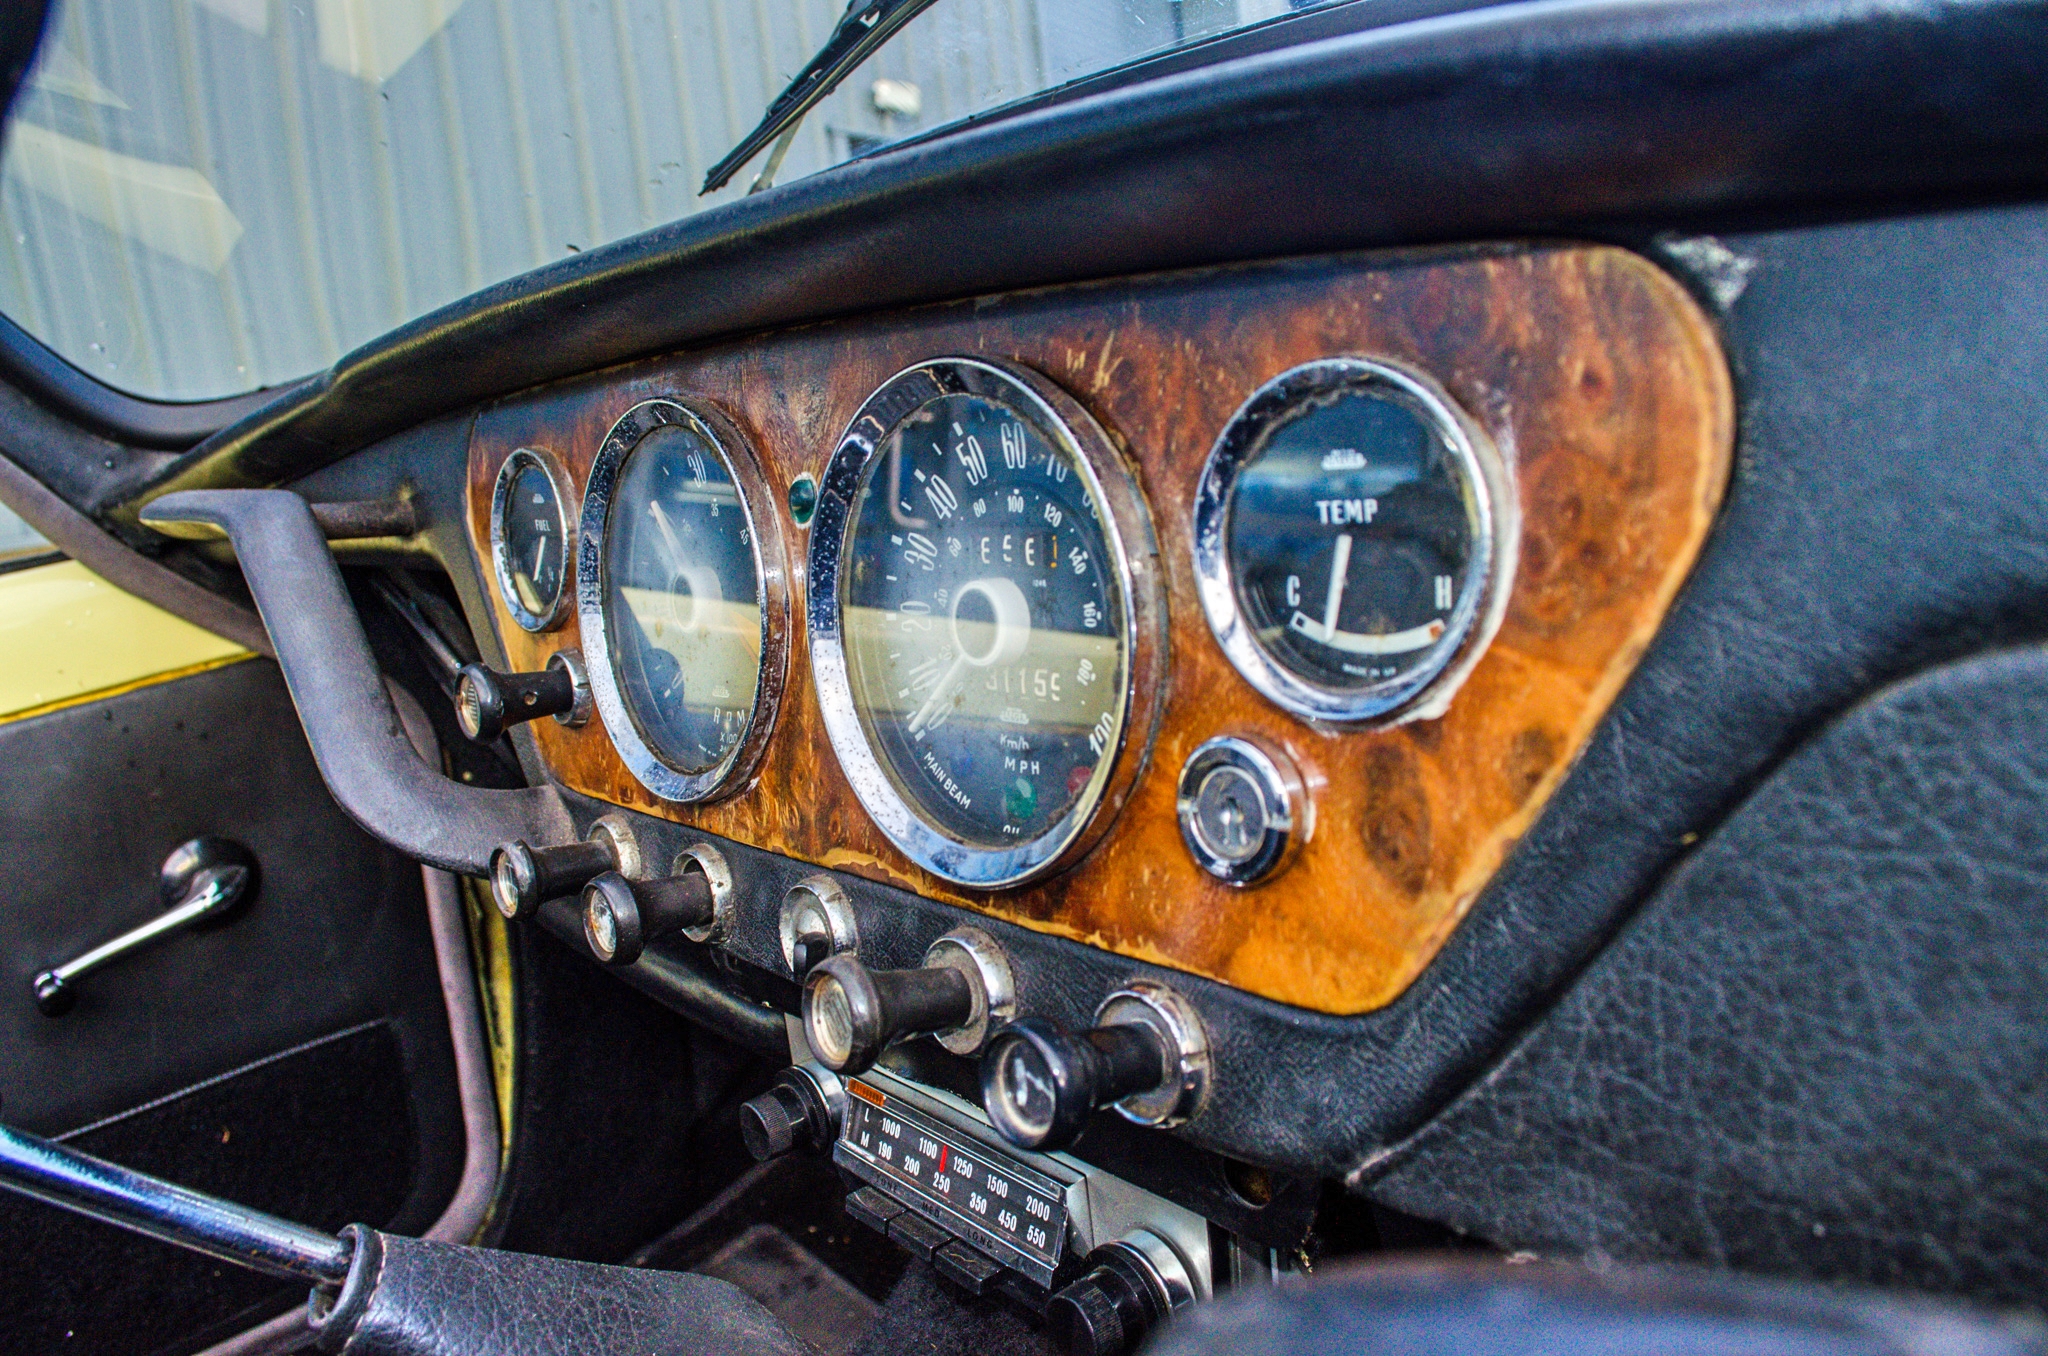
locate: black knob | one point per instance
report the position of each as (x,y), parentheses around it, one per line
(852,1012)
(1108,1311)
(487,702)
(808,949)
(621,916)
(1039,1084)
(793,1114)
(524,878)
(54,996)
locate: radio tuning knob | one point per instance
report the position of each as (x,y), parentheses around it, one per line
(1130,1287)
(962,990)
(1147,1056)
(802,1109)
(487,702)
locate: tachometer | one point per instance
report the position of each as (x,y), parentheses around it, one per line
(1351,528)
(984,619)
(683,600)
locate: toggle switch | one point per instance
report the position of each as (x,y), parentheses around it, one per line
(817,921)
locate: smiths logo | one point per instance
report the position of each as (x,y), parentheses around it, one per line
(1344,459)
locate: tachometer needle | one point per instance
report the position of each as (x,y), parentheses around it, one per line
(672,548)
(1340,567)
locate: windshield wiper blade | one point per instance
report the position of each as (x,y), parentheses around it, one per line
(866,25)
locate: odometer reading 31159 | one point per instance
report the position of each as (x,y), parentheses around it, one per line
(983,615)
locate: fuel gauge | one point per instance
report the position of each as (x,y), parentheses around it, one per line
(529,538)
(1350,526)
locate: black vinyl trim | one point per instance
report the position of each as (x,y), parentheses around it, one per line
(1557,116)
(31,561)
(39,373)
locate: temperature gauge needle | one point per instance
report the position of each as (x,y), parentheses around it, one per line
(1340,569)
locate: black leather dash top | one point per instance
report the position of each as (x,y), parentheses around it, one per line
(1822,1048)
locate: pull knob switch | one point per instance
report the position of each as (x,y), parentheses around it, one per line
(1040,1083)
(963,990)
(488,703)
(621,916)
(523,878)
(1147,1056)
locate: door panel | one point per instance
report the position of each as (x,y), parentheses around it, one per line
(302,1046)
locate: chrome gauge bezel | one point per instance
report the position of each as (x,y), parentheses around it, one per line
(1127,532)
(771,573)
(501,563)
(1427,689)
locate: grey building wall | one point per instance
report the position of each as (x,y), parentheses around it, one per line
(205,196)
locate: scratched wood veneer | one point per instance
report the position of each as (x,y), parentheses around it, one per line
(1598,377)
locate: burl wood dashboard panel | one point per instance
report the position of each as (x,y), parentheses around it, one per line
(1597,376)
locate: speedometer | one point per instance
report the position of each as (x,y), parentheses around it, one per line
(984,620)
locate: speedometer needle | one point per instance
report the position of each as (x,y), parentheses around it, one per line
(1012,637)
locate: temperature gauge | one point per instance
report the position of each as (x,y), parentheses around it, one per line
(1350,526)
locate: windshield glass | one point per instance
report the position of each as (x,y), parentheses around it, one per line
(207,196)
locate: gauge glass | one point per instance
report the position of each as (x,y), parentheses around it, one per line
(530,539)
(983,627)
(682,599)
(1357,532)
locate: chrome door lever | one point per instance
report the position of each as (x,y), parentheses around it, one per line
(204,879)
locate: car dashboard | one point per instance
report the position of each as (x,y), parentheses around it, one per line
(1420,638)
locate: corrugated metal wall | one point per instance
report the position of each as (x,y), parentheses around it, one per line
(205,196)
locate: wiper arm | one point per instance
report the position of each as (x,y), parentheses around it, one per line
(866,25)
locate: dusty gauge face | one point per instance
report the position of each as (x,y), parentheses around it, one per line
(530,538)
(985,620)
(683,601)
(1351,531)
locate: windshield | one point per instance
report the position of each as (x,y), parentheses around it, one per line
(207,196)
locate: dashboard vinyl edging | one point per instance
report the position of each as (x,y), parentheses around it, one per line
(1596,374)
